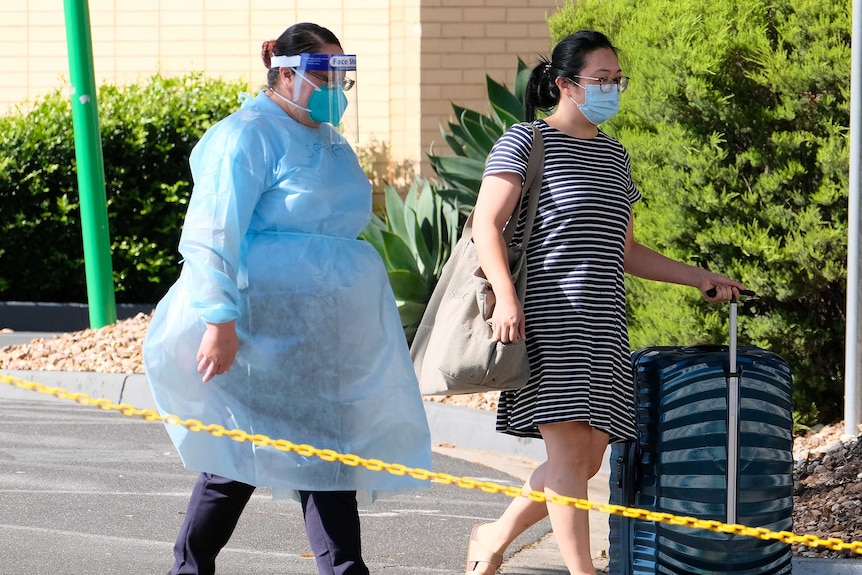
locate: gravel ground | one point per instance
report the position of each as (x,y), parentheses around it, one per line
(827,469)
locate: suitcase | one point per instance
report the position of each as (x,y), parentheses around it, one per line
(714,442)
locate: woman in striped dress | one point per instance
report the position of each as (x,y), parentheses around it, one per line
(579,396)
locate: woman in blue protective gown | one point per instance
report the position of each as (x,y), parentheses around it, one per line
(282,323)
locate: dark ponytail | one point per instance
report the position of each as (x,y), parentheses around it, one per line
(568,59)
(542,92)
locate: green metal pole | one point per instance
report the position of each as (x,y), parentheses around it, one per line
(91,167)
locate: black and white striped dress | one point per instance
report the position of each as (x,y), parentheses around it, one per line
(577,337)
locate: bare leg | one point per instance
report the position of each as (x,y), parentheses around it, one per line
(575,452)
(587,445)
(522,513)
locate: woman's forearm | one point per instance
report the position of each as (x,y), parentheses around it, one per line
(647,263)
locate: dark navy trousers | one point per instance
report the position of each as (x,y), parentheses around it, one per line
(331,522)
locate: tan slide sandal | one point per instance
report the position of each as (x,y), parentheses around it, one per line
(481,561)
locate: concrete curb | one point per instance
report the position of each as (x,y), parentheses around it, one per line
(119,388)
(807,566)
(475,429)
(57,317)
(96,385)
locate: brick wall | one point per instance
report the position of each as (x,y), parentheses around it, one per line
(463,41)
(415,57)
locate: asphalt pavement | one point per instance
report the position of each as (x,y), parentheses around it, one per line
(88,491)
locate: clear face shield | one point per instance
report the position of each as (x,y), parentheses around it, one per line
(332,81)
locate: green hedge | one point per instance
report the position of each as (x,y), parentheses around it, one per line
(148,130)
(737,120)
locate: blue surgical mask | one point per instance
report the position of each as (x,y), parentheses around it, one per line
(327,105)
(598,106)
(321,106)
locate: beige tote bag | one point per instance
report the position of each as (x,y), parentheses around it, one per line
(453,350)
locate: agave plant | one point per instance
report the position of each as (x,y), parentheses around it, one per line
(414,240)
(417,234)
(472,137)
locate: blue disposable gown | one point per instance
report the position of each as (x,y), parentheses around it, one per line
(269,240)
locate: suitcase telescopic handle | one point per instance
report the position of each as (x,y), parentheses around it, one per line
(732,412)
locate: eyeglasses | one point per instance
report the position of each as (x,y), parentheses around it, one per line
(606,85)
(342,82)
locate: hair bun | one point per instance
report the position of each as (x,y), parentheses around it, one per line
(266,52)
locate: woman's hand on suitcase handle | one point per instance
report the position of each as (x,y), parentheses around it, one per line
(716,288)
(711,292)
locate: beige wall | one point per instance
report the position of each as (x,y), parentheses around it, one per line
(415,57)
(463,41)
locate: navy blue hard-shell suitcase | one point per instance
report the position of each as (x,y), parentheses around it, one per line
(714,442)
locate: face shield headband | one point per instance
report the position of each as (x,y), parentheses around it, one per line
(332,78)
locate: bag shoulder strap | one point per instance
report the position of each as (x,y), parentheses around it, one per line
(532,188)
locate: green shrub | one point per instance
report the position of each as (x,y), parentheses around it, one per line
(414,238)
(736,120)
(471,137)
(148,131)
(415,235)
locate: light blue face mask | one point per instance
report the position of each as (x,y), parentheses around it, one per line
(598,106)
(325,104)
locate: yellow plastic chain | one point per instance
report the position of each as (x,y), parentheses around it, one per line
(443,478)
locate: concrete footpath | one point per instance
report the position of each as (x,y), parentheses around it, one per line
(458,433)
